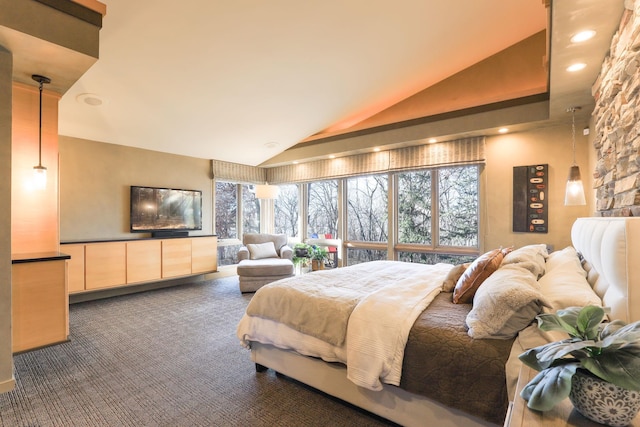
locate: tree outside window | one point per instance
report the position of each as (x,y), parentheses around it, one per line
(458,206)
(322,212)
(287,211)
(226,210)
(226,201)
(358,256)
(414,207)
(250,210)
(367,208)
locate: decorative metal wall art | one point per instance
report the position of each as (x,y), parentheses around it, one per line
(530,205)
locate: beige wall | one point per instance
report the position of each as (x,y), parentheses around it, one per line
(550,145)
(94,186)
(34,212)
(6,362)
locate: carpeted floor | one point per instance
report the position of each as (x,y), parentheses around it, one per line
(167,357)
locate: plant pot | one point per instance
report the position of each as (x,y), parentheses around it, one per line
(302,252)
(602,401)
(317,264)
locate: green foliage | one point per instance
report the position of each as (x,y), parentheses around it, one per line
(301,253)
(610,351)
(319,253)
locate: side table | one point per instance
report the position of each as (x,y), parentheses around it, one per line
(562,415)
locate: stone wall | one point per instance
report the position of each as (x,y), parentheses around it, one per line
(617,125)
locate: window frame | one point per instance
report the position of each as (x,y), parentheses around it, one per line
(391,246)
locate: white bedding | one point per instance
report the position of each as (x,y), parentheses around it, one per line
(378,326)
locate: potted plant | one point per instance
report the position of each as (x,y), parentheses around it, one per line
(301,256)
(319,255)
(301,253)
(595,355)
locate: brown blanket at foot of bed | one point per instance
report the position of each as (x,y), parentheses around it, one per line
(443,363)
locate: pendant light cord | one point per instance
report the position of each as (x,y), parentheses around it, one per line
(41,80)
(573,133)
(40,128)
(573,110)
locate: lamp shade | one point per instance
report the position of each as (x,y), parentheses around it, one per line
(40,177)
(267,191)
(574,193)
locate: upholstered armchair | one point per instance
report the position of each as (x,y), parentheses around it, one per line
(262,259)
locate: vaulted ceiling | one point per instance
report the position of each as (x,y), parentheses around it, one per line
(244,81)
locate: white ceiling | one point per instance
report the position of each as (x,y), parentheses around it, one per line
(241,80)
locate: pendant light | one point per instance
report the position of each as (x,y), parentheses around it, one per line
(266,191)
(574,193)
(40,172)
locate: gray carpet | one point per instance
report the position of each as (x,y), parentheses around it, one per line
(167,357)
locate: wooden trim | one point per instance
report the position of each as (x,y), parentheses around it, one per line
(94,5)
(75,9)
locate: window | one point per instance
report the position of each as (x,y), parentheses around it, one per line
(367,208)
(452,207)
(226,210)
(322,212)
(357,256)
(434,258)
(458,206)
(414,207)
(287,211)
(226,221)
(250,210)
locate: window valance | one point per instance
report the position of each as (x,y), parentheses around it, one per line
(461,151)
(235,172)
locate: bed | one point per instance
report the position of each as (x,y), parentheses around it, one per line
(442,393)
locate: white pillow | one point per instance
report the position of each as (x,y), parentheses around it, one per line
(506,303)
(531,257)
(262,250)
(565,282)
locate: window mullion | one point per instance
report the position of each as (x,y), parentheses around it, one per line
(239,222)
(392,224)
(435,208)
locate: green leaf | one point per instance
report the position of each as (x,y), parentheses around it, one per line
(551,322)
(621,368)
(549,387)
(569,314)
(611,328)
(588,321)
(530,358)
(559,349)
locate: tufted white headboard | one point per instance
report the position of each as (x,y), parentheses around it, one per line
(611,250)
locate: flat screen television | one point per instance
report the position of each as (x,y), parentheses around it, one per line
(165,211)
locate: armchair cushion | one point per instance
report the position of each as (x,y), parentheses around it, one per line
(273,268)
(279,240)
(262,250)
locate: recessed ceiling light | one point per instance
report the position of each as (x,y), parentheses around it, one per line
(432,140)
(295,162)
(576,67)
(90,99)
(503,130)
(583,36)
(376,149)
(271,144)
(332,156)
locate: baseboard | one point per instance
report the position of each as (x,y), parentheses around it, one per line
(131,289)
